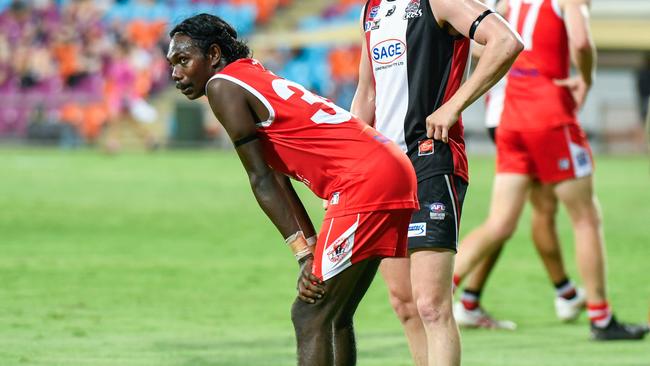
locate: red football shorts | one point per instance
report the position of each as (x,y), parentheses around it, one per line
(550,156)
(346,240)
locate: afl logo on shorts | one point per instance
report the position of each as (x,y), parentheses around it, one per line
(437,211)
(386,52)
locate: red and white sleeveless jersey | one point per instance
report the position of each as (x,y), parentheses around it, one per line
(313,140)
(532,101)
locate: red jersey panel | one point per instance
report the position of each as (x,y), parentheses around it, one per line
(532,100)
(312,140)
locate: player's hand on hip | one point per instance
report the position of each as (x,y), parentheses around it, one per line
(440,121)
(310,288)
(578,88)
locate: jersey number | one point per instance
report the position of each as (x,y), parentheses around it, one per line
(528,11)
(328,112)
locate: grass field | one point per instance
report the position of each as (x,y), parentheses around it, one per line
(166,259)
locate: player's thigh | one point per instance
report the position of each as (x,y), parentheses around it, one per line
(435,225)
(342,292)
(509,194)
(543,199)
(431,275)
(396,275)
(577,195)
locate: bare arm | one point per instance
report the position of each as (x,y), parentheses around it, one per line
(502,45)
(501,6)
(298,209)
(229,104)
(363,103)
(583,51)
(581,47)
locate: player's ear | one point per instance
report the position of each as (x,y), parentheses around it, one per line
(214,54)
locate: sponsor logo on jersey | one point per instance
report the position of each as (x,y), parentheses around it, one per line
(373,12)
(371,25)
(437,211)
(425,147)
(339,249)
(413,10)
(417,229)
(335,198)
(386,52)
(391,11)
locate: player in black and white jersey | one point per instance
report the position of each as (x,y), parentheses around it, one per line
(411,89)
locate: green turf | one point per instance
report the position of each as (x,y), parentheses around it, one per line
(166,259)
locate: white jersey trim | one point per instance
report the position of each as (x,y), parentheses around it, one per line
(253,91)
(330,269)
(555,4)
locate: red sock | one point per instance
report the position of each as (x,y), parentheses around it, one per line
(456,281)
(600,314)
(470,299)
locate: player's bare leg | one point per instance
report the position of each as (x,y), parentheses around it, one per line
(583,209)
(468,312)
(544,231)
(479,276)
(431,278)
(569,301)
(324,330)
(508,198)
(396,274)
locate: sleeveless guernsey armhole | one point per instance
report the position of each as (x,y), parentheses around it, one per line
(253,91)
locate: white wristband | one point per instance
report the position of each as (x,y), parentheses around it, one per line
(311,241)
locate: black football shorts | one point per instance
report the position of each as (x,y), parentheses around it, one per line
(437,222)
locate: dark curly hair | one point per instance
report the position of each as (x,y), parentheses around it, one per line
(206,30)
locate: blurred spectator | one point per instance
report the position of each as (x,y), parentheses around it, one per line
(643,87)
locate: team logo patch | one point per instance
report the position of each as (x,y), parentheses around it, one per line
(417,229)
(388,51)
(425,147)
(339,249)
(391,11)
(335,198)
(413,10)
(437,211)
(563,164)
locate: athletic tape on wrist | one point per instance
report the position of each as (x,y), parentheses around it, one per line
(298,245)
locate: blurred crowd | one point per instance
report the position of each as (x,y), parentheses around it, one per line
(72,67)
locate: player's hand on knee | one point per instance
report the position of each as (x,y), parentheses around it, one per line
(310,288)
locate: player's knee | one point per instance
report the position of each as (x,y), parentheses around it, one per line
(501,230)
(433,309)
(404,307)
(306,318)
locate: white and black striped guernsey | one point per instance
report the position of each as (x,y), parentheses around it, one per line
(417,66)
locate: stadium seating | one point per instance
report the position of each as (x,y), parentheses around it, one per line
(83,60)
